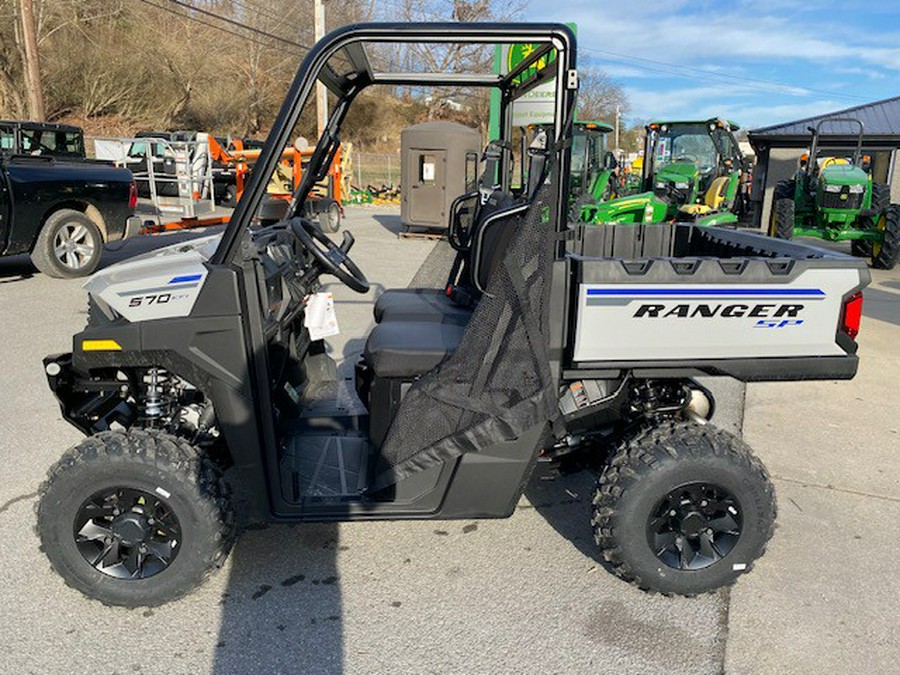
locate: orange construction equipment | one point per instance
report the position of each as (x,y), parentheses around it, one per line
(281,185)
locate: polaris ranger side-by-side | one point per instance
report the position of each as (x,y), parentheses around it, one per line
(203,365)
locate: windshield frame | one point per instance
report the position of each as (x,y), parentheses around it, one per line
(352,39)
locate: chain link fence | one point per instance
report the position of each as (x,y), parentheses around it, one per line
(379,170)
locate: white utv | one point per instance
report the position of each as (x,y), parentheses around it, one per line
(553,341)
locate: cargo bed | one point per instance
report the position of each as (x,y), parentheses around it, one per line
(667,299)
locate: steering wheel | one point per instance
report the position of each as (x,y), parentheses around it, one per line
(686,158)
(332,258)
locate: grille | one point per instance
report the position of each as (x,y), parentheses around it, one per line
(841,200)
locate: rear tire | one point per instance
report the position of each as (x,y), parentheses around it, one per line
(886,253)
(676,465)
(138,499)
(781,222)
(69,245)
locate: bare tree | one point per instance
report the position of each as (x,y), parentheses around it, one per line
(599,96)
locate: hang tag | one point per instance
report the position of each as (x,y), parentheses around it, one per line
(320,319)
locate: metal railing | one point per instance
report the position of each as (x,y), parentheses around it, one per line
(176,176)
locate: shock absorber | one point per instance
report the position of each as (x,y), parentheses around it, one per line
(155,399)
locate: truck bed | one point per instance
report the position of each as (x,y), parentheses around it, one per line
(667,299)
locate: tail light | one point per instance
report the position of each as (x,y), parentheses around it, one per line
(852,314)
(132,196)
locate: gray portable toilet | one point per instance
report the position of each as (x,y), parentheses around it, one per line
(439,162)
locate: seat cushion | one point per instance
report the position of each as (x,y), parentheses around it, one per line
(408,349)
(695,209)
(420,304)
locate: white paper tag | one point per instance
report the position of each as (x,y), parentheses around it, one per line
(320,318)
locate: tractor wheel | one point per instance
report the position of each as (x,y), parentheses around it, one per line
(881,197)
(861,248)
(886,252)
(683,508)
(134,518)
(784,189)
(781,222)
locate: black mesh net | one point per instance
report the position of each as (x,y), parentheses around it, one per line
(497,383)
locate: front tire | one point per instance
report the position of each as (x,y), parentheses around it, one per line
(781,222)
(134,518)
(69,245)
(683,509)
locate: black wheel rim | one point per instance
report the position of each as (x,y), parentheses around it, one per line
(694,526)
(127,533)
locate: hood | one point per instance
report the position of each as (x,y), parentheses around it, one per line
(677,172)
(843,174)
(161,284)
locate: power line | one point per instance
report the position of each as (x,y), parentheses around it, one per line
(769,85)
(244,26)
(242,36)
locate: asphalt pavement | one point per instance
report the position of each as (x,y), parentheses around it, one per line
(525,594)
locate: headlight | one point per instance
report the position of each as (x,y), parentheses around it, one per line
(681,186)
(661,184)
(857,189)
(832,188)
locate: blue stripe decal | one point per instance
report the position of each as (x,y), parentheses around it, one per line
(742,292)
(186,278)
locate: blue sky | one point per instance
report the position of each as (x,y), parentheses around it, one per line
(757,62)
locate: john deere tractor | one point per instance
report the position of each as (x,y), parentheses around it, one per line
(593,176)
(834,198)
(691,171)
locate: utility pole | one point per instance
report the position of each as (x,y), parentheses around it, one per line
(32,63)
(617,127)
(321,91)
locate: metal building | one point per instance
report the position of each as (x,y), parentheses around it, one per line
(778,149)
(438,163)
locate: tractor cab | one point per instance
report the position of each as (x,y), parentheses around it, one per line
(593,168)
(691,171)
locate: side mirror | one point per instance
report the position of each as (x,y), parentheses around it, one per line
(610,162)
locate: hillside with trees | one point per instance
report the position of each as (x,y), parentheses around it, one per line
(223,66)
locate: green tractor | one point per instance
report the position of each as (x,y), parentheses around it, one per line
(834,198)
(691,171)
(593,178)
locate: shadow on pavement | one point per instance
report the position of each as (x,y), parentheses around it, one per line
(565,503)
(390,222)
(281,612)
(881,305)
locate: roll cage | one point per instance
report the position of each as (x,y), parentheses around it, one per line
(352,47)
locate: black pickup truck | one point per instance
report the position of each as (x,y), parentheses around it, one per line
(63,211)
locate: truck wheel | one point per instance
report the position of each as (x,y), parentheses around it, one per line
(781,222)
(684,508)
(886,252)
(69,245)
(330,218)
(134,518)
